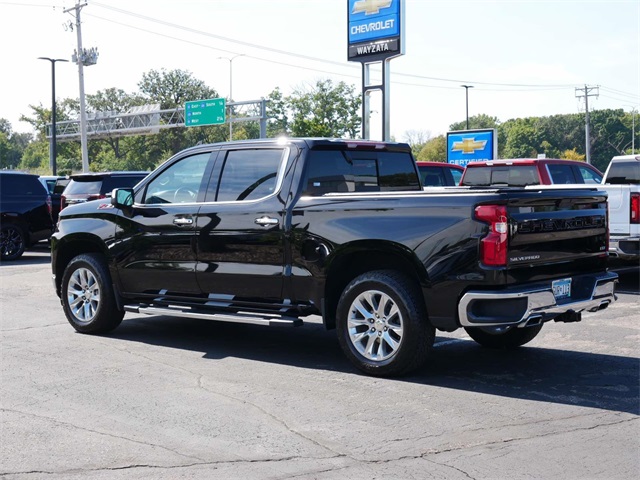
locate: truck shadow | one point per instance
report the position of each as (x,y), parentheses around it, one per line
(606,382)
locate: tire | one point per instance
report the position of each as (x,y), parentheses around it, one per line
(87,295)
(12,242)
(512,338)
(382,324)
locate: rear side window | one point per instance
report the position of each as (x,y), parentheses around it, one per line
(510,175)
(249,174)
(21,185)
(432,176)
(335,171)
(561,174)
(624,173)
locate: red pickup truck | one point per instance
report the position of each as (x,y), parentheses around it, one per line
(530,171)
(439,174)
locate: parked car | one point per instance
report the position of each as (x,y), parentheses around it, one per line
(49,182)
(439,174)
(56,197)
(25,213)
(83,187)
(530,171)
(622,183)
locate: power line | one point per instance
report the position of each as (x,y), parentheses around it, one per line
(620,92)
(305,57)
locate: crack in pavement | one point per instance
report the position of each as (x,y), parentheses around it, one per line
(516,439)
(120,437)
(162,467)
(199,384)
(35,327)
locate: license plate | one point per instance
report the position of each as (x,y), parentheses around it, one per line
(561,288)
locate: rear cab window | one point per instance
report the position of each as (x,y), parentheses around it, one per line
(83,187)
(510,175)
(337,171)
(624,173)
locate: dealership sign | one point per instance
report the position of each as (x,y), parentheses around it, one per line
(375,29)
(472,146)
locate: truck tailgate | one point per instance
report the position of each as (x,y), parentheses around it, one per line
(553,226)
(619,208)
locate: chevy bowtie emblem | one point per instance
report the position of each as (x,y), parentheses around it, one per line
(468,145)
(370,7)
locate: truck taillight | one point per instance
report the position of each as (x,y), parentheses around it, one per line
(635,208)
(493,247)
(63,201)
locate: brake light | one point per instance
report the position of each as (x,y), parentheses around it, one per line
(63,201)
(493,247)
(635,208)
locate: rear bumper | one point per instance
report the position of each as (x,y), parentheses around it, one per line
(625,248)
(535,303)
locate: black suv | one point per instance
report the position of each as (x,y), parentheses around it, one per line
(25,213)
(83,187)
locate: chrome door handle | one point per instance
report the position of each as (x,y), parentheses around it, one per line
(183,221)
(266,221)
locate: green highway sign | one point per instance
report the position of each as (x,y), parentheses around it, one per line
(205,112)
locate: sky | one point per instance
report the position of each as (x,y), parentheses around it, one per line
(523,58)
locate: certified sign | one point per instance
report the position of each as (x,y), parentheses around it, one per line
(471,146)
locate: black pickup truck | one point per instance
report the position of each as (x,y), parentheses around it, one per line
(270,231)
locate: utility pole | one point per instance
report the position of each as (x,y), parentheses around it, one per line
(82,57)
(586,93)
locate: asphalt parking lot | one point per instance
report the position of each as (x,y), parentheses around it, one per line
(170,398)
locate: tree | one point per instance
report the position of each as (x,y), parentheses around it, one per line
(435,150)
(519,139)
(12,145)
(476,122)
(323,110)
(417,139)
(278,122)
(173,88)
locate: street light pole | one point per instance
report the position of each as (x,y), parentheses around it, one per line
(633,130)
(466,90)
(231,59)
(53,148)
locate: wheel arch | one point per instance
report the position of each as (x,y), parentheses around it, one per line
(70,247)
(356,258)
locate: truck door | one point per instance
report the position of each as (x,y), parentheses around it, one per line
(158,235)
(239,228)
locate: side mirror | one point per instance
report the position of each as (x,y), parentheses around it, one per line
(122,197)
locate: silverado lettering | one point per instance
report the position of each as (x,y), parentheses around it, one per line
(270,232)
(553,225)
